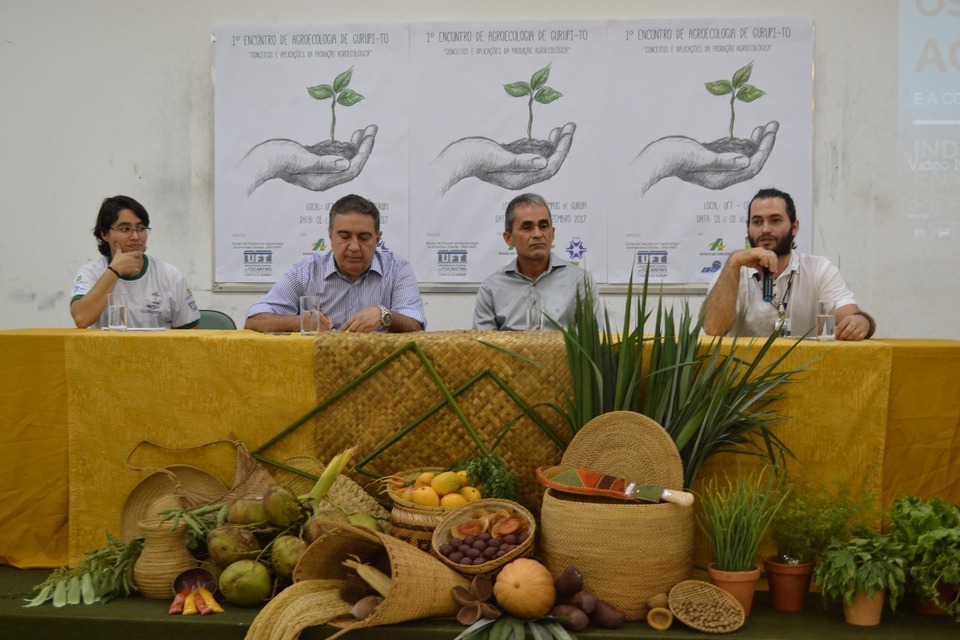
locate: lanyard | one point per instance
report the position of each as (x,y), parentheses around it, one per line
(780,305)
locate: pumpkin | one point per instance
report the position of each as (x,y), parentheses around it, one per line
(525,588)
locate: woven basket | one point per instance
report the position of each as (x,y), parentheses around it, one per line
(627,552)
(402,393)
(690,600)
(345,493)
(441,535)
(411,522)
(420,584)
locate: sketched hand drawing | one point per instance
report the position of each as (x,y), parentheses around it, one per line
(697,163)
(291,162)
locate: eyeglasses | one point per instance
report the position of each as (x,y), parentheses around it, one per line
(128,230)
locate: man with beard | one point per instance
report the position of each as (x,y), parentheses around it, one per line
(735,304)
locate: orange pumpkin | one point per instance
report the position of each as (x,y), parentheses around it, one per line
(525,588)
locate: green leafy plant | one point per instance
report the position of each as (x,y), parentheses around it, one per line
(738,89)
(929,531)
(870,564)
(537,90)
(711,395)
(339,92)
(812,516)
(736,515)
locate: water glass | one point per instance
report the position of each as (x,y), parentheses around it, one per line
(117,311)
(534,317)
(826,320)
(309,315)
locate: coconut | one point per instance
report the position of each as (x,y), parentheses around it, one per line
(316,525)
(280,506)
(361,519)
(285,553)
(245,511)
(246,583)
(227,544)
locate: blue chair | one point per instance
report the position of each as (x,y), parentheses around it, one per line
(210,319)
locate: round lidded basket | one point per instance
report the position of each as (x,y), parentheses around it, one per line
(630,551)
(412,522)
(469,511)
(169,488)
(705,607)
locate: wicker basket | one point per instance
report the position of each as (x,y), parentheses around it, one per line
(411,522)
(441,535)
(705,607)
(627,552)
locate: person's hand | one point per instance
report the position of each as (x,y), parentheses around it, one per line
(325,323)
(364,321)
(757,258)
(852,327)
(692,162)
(128,264)
(291,162)
(488,161)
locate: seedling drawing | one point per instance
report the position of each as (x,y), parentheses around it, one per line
(340,94)
(537,90)
(738,90)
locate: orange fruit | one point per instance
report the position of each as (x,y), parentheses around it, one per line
(426,496)
(452,500)
(472,494)
(446,482)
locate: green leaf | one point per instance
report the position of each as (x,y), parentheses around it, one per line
(321,91)
(749,93)
(517,89)
(45,594)
(546,95)
(540,78)
(742,75)
(475,629)
(343,80)
(349,98)
(719,88)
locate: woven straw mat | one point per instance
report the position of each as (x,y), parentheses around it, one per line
(420,584)
(402,391)
(628,445)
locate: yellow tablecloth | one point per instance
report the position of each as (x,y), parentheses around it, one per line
(76,402)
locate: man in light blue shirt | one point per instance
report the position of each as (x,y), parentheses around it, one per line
(361,287)
(537,278)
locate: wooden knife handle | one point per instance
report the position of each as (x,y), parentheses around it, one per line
(682,498)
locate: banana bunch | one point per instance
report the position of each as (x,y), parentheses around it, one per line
(104,574)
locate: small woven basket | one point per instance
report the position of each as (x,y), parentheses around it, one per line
(441,535)
(411,522)
(705,607)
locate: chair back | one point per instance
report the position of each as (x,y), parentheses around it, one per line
(211,319)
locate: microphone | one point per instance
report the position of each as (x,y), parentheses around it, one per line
(767,285)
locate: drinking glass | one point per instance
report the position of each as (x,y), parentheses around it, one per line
(309,315)
(534,316)
(826,320)
(117,311)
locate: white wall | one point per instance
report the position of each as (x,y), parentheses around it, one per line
(116,96)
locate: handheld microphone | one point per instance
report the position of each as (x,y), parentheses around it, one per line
(767,285)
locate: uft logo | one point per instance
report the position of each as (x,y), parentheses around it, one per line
(453,256)
(652,257)
(257,257)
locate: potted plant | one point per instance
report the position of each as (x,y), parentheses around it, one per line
(802,528)
(736,515)
(859,572)
(930,534)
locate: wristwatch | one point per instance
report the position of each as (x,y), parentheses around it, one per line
(385,316)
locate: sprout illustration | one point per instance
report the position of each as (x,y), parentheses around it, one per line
(339,93)
(737,88)
(537,90)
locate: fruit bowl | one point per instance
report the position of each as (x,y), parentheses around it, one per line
(500,530)
(410,476)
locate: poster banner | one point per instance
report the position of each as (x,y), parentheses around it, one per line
(646,137)
(502,109)
(304,116)
(706,112)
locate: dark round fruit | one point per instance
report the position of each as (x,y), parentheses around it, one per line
(490,552)
(469,540)
(446,549)
(479,544)
(473,553)
(464,548)
(510,538)
(484,536)
(455,542)
(456,556)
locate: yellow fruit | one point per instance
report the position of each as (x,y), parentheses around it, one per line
(446,482)
(464,477)
(452,500)
(426,496)
(472,494)
(426,477)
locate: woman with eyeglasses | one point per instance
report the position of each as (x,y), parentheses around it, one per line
(157,293)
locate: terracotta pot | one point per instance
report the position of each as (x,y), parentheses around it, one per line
(864,611)
(740,584)
(945,593)
(789,584)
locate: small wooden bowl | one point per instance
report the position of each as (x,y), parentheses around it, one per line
(442,535)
